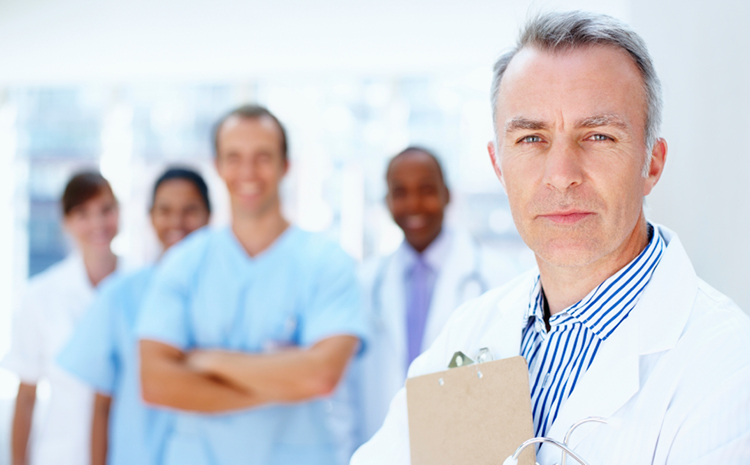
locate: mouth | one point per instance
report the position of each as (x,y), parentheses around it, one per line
(415,222)
(174,236)
(248,189)
(100,237)
(566,217)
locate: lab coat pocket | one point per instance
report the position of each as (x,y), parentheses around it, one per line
(186,449)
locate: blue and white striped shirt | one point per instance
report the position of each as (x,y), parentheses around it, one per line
(559,358)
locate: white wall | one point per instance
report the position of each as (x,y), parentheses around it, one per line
(701,54)
(700,49)
(82,40)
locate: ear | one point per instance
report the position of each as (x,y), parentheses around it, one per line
(286,167)
(492,149)
(66,223)
(656,168)
(151,218)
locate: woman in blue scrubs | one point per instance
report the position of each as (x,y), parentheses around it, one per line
(248,329)
(103,349)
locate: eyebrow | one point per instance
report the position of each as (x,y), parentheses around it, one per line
(602,120)
(520,123)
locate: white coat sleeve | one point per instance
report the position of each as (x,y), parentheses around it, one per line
(391,443)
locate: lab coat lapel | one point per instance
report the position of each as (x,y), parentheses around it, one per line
(654,325)
(668,299)
(503,335)
(609,383)
(457,266)
(393,307)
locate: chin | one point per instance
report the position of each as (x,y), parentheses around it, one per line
(568,253)
(101,245)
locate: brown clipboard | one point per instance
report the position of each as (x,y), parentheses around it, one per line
(475,414)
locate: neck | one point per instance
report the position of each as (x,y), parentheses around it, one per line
(99,264)
(421,247)
(564,286)
(257,232)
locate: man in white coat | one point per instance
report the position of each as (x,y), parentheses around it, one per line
(411,293)
(614,323)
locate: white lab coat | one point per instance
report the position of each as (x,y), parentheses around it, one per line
(674,378)
(51,306)
(381,372)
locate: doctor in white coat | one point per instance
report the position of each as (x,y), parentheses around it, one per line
(458,268)
(614,323)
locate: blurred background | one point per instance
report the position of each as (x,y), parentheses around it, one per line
(131,87)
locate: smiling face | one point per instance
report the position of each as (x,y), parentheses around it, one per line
(571,152)
(178,210)
(250,161)
(94,223)
(417,197)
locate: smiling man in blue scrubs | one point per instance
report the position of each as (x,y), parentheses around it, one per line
(247,329)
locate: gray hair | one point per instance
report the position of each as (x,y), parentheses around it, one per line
(557,32)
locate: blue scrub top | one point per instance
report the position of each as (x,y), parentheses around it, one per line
(209,293)
(103,353)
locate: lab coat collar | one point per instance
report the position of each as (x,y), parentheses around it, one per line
(434,255)
(654,325)
(511,318)
(78,277)
(78,274)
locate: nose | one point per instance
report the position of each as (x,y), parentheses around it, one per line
(246,169)
(413,202)
(563,168)
(175,220)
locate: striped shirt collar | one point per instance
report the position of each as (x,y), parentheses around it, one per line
(605,307)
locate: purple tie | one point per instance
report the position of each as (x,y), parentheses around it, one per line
(420,294)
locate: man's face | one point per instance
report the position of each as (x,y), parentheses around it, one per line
(250,161)
(571,150)
(417,197)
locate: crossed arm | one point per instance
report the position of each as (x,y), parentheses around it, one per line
(212,381)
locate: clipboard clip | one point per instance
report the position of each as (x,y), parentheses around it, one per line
(460,359)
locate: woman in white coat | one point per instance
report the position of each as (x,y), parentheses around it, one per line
(52,304)
(461,270)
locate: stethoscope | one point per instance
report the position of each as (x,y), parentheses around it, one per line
(566,450)
(473,278)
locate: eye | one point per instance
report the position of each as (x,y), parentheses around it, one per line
(428,190)
(600,138)
(398,192)
(530,139)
